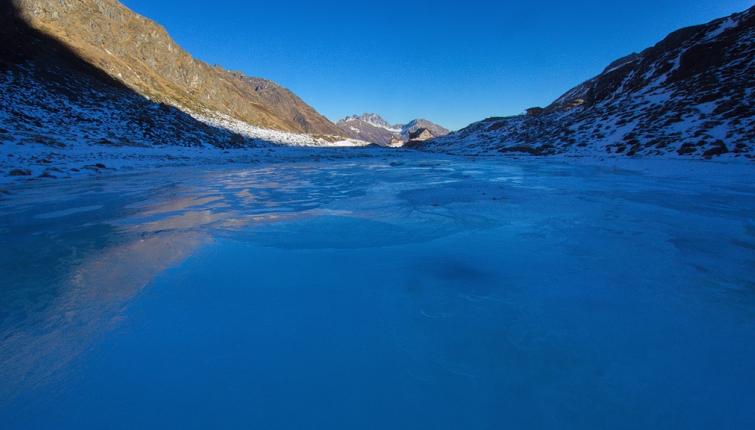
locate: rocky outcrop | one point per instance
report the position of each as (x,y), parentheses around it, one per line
(690,95)
(418,137)
(535,111)
(421,135)
(419,124)
(139,53)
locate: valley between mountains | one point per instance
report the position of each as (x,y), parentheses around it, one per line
(187,246)
(89,86)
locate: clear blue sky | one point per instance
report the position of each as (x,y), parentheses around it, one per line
(451,62)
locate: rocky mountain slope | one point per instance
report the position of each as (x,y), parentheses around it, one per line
(415,125)
(690,95)
(373,128)
(62,116)
(139,53)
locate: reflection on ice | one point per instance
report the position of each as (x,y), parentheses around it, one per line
(90,301)
(437,293)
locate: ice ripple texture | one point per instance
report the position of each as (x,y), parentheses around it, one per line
(431,293)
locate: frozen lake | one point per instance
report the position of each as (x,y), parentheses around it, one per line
(424,294)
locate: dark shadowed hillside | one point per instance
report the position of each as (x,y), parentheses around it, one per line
(690,95)
(52,97)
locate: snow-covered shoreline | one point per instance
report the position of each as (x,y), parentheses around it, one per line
(43,163)
(40,162)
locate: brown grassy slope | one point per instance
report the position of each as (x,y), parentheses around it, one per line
(141,54)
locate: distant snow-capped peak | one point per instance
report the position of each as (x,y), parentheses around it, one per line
(374,120)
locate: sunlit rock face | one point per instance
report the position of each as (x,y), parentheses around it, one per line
(139,53)
(689,96)
(66,95)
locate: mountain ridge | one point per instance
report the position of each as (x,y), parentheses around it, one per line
(373,128)
(62,116)
(689,95)
(140,53)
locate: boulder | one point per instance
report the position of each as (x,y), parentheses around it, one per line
(395,142)
(535,111)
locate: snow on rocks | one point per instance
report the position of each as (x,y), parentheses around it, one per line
(690,95)
(219,120)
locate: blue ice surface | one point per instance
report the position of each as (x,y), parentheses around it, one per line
(428,294)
